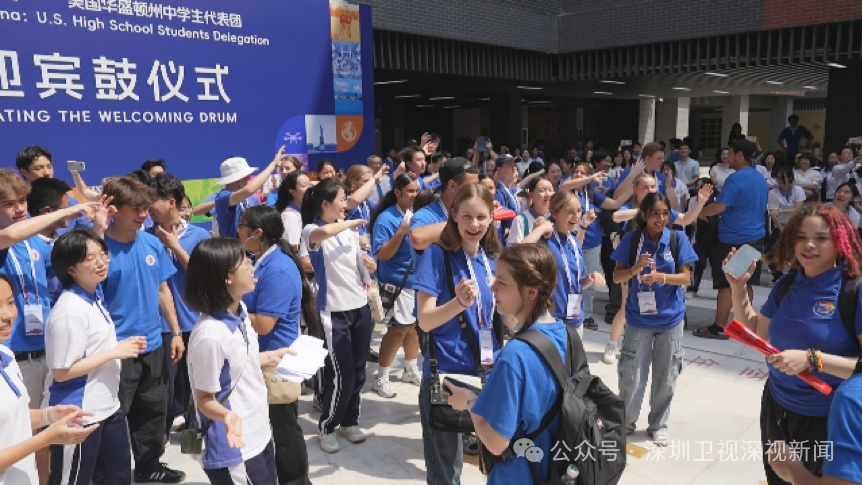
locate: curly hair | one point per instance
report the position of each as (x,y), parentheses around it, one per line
(844,236)
(532,266)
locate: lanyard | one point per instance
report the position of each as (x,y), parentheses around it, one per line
(443,208)
(566,262)
(20,272)
(5,360)
(379,190)
(264,255)
(586,203)
(487,280)
(509,195)
(104,312)
(638,255)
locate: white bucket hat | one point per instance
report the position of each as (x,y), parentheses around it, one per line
(233,169)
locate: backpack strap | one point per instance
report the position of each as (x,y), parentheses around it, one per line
(674,246)
(782,289)
(633,249)
(466,333)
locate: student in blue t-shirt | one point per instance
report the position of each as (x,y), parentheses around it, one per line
(806,326)
(655,310)
(559,235)
(179,239)
(274,309)
(596,202)
(413,160)
(469,245)
(742,204)
(360,181)
(239,191)
(396,267)
(137,296)
(522,388)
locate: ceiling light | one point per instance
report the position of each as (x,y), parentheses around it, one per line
(541,102)
(380,83)
(774,82)
(835,64)
(646,95)
(528,87)
(612,82)
(721,92)
(682,89)
(603,92)
(810,87)
(483,99)
(453,106)
(717,74)
(424,105)
(405,96)
(438,98)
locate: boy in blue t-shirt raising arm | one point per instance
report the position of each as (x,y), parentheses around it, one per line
(137,295)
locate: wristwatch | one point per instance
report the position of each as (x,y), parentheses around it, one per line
(177,334)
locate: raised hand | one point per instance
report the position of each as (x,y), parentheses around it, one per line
(466,292)
(277,159)
(743,280)
(704,193)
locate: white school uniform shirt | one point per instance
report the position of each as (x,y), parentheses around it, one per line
(292,220)
(77,327)
(719,174)
(839,174)
(340,287)
(787,205)
(809,176)
(770,180)
(15,422)
(220,359)
(516,232)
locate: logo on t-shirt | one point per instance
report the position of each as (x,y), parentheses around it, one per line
(824,308)
(668,255)
(151,260)
(34,255)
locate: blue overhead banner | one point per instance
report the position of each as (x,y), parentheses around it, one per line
(116,82)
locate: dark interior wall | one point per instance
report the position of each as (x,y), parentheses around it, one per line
(843,106)
(616,119)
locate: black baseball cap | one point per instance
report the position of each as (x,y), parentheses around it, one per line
(454,167)
(747,148)
(504,159)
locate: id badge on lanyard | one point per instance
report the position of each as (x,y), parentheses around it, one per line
(646,298)
(486,338)
(573,300)
(34,319)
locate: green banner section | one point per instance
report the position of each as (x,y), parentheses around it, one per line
(198,190)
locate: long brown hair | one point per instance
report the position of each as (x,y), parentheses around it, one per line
(844,236)
(532,266)
(450,240)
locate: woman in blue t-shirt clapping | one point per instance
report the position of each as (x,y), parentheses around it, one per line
(468,247)
(655,309)
(391,245)
(806,324)
(522,388)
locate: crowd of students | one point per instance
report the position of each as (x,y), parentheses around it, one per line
(123,322)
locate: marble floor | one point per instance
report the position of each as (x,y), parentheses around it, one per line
(713,424)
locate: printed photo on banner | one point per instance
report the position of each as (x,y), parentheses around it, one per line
(346,60)
(320,133)
(345,21)
(348,96)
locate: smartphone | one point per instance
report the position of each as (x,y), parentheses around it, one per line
(76,166)
(741,261)
(480,144)
(626,143)
(856,140)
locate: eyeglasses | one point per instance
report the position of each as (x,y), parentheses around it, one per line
(92,260)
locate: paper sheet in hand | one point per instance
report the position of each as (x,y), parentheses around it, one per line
(309,357)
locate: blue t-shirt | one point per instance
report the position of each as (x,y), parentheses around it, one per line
(186,317)
(845,432)
(507,197)
(793,137)
(670,299)
(228,216)
(277,293)
(660,180)
(594,234)
(577,270)
(272,197)
(435,183)
(132,287)
(517,394)
(392,270)
(744,194)
(423,184)
(78,222)
(362,211)
(39,255)
(433,213)
(454,355)
(808,318)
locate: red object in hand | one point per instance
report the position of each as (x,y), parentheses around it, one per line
(503,214)
(739,332)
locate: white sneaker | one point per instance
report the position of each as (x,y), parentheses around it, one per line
(412,376)
(689,295)
(611,353)
(660,437)
(178,424)
(329,442)
(352,433)
(383,387)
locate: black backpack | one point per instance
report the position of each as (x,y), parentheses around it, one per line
(847,300)
(591,434)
